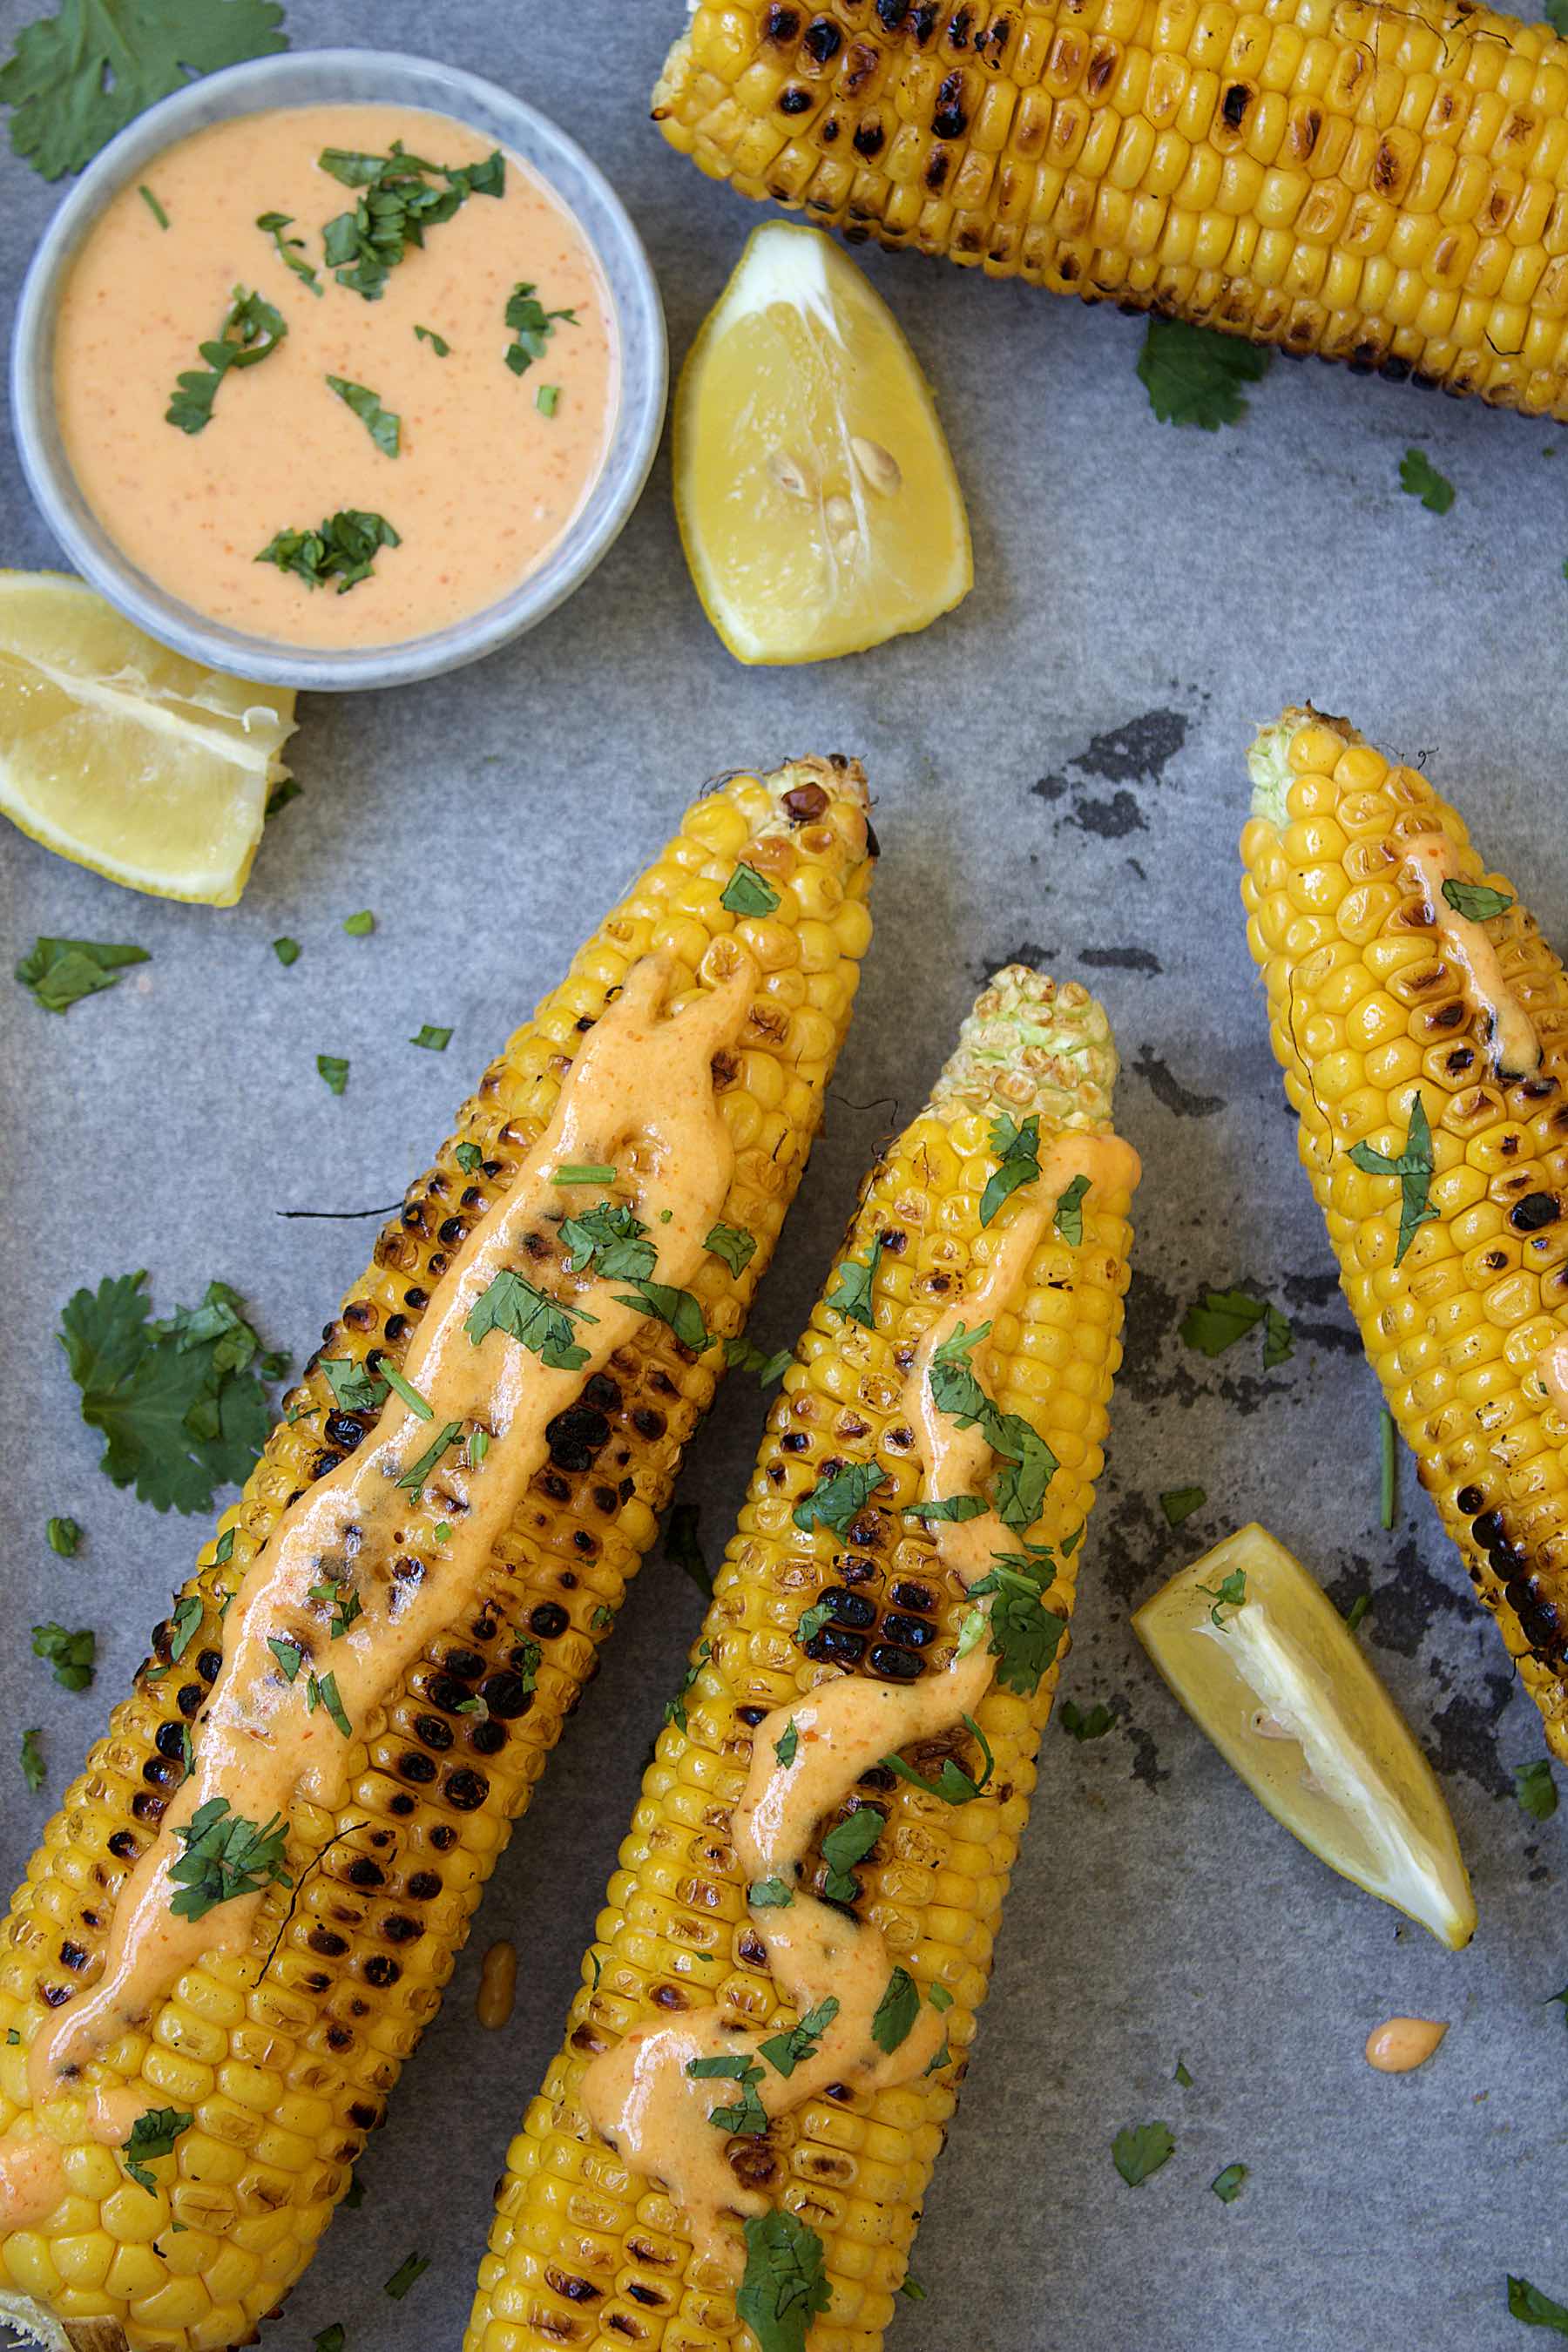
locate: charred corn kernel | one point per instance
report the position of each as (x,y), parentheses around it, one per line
(284,2054)
(1370,1010)
(1326,178)
(584,2250)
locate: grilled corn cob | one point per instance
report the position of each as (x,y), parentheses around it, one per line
(1382,185)
(277,2058)
(585,2249)
(1389,1020)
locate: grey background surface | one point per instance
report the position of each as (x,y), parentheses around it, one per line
(1060,772)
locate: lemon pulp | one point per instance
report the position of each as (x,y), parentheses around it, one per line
(125,757)
(816,495)
(1281,1685)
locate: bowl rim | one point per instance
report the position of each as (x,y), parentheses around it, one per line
(293,76)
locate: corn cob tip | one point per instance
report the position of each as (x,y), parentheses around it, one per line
(1268,760)
(798,785)
(1032,1044)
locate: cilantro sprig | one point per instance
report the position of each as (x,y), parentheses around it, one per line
(1194,376)
(60,972)
(78,76)
(290,250)
(399,197)
(784,2051)
(153,2135)
(531,326)
(179,1403)
(541,1324)
(1030,1464)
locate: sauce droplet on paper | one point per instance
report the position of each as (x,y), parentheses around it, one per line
(1400,2044)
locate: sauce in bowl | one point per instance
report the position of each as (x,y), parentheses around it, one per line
(498,428)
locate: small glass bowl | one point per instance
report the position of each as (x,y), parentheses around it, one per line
(360,76)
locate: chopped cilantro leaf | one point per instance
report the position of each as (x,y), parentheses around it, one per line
(674,1708)
(153,2135)
(846,1845)
(286,951)
(746,892)
(1182,2075)
(413,2267)
(1537,2310)
(1357,1611)
(1420,477)
(420,1407)
(1017,1150)
(896,2011)
(531,326)
(413,1477)
(1221,1318)
(1067,1218)
(281,794)
(1227,2184)
(788,1741)
(334,2338)
(437,343)
(1025,1634)
(948,1508)
(681,1547)
(342,547)
(748,2118)
(1031,1464)
(251,331)
(288,1654)
(1194,376)
(736,1247)
(1139,2149)
(609,1238)
(584,1171)
(850,1293)
(290,250)
(539,1322)
(185,1621)
(676,1307)
(154,206)
(32,1762)
(60,972)
(547,399)
(397,201)
(321,1690)
(70,1655)
(1090,1724)
(1476,901)
(1230,1592)
(63,1538)
(769,1895)
(1413,1167)
(812,1622)
(78,76)
(360,926)
(435,1041)
(742,1356)
(784,2051)
(785,2284)
(334,1069)
(381,423)
(469,1157)
(1535,1788)
(224,1856)
(952,1784)
(355,1387)
(837,1499)
(1179,1503)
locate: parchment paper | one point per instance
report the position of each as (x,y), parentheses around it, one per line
(1059,768)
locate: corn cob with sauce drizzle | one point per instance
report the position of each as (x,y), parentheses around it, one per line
(1418,1014)
(823,1647)
(1378,183)
(406,1699)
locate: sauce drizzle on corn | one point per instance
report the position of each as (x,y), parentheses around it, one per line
(1515,1046)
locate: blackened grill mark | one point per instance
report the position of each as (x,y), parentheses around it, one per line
(1536,1210)
(950,121)
(1234,106)
(822,40)
(793,100)
(781,25)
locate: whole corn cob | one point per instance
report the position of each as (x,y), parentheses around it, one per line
(275,2059)
(1382,185)
(1455,1263)
(585,2249)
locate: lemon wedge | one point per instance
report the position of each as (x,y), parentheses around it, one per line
(125,757)
(815,492)
(1266,1666)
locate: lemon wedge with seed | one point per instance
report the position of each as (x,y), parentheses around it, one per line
(817,497)
(125,757)
(1266,1666)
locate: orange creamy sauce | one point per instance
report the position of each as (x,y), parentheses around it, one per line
(640,1097)
(639,2095)
(1402,2043)
(484,483)
(1515,1048)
